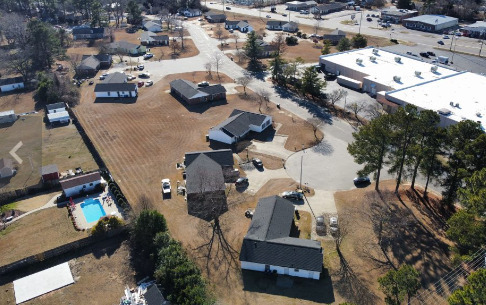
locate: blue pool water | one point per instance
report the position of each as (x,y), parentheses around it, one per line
(92,210)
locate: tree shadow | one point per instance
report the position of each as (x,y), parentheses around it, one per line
(324,148)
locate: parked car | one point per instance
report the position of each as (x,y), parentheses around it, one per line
(140,67)
(361,180)
(285,15)
(445,37)
(228,8)
(320,225)
(409,53)
(333,224)
(330,76)
(257,162)
(292,195)
(148,56)
(268,16)
(140,84)
(166,186)
(318,68)
(440,42)
(203,84)
(91,82)
(242,181)
(149,83)
(102,77)
(369,19)
(431,53)
(424,54)
(130,77)
(231,30)
(144,75)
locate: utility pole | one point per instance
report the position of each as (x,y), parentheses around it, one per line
(360,22)
(482,42)
(301,166)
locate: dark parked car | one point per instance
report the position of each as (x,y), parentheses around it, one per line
(440,42)
(330,76)
(431,53)
(361,180)
(320,225)
(257,162)
(292,195)
(369,19)
(91,82)
(424,54)
(228,8)
(242,181)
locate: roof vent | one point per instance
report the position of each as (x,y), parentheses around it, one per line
(397,78)
(444,111)
(375,51)
(359,61)
(418,73)
(452,104)
(457,105)
(372,58)
(398,59)
(434,68)
(478,114)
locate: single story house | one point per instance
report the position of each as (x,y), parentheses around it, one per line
(397,16)
(238,125)
(127,48)
(116,90)
(192,94)
(290,27)
(240,25)
(190,12)
(86,32)
(328,8)
(269,247)
(61,117)
(300,5)
(205,187)
(8,116)
(89,66)
(80,184)
(152,39)
(56,107)
(105,60)
(12,83)
(266,49)
(154,296)
(431,23)
(115,77)
(215,18)
(224,157)
(335,36)
(49,173)
(282,26)
(152,26)
(6,168)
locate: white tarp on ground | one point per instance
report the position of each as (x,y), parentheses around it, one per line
(42,282)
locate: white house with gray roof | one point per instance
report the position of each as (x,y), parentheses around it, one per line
(115,85)
(12,83)
(269,247)
(238,125)
(192,94)
(152,26)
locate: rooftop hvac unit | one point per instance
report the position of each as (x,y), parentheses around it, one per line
(434,68)
(418,73)
(372,58)
(359,61)
(457,105)
(398,59)
(452,104)
(375,51)
(397,78)
(444,111)
(478,114)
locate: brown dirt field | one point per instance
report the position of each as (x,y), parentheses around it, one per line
(121,34)
(100,273)
(32,203)
(18,102)
(41,231)
(417,238)
(304,223)
(305,50)
(140,152)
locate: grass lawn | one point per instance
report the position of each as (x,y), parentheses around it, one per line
(19,102)
(35,233)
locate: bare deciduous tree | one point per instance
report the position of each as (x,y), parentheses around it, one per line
(245,80)
(356,108)
(180,32)
(336,95)
(263,98)
(209,66)
(14,29)
(175,46)
(235,36)
(374,110)
(219,32)
(279,44)
(315,123)
(241,55)
(145,203)
(217,61)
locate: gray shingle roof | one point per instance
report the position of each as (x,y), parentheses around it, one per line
(115,87)
(90,62)
(80,180)
(224,157)
(186,88)
(204,175)
(87,30)
(239,121)
(331,6)
(6,163)
(276,23)
(267,241)
(56,106)
(115,78)
(153,296)
(12,80)
(231,22)
(161,37)
(123,45)
(49,169)
(214,89)
(338,32)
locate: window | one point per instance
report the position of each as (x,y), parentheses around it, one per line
(84,186)
(91,184)
(108,93)
(296,270)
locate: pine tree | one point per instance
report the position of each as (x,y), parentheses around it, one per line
(253,51)
(311,84)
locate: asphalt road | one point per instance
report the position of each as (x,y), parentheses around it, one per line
(333,21)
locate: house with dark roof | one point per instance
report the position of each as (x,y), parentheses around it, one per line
(266,49)
(205,188)
(7,117)
(56,113)
(80,184)
(335,36)
(154,296)
(192,94)
(238,125)
(328,8)
(91,64)
(240,25)
(12,83)
(49,173)
(215,18)
(115,77)
(269,247)
(6,168)
(86,32)
(224,157)
(152,26)
(151,39)
(56,107)
(116,85)
(190,12)
(126,47)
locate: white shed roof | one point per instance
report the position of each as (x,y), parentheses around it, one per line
(7,113)
(465,89)
(58,115)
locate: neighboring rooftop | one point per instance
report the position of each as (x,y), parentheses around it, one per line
(268,239)
(11,80)
(90,62)
(80,179)
(464,88)
(49,169)
(6,113)
(431,19)
(56,106)
(239,122)
(204,175)
(115,87)
(6,163)
(398,13)
(224,157)
(115,78)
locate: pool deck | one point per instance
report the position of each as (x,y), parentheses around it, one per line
(110,209)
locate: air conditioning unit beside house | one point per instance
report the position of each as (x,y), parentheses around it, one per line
(398,59)
(434,68)
(418,73)
(359,61)
(397,78)
(372,58)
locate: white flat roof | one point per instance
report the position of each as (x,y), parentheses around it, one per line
(57,115)
(384,68)
(8,112)
(42,282)
(465,88)
(432,19)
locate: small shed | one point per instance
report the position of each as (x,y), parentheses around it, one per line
(7,117)
(49,173)
(10,84)
(61,117)
(6,168)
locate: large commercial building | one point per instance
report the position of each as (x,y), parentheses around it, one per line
(397,80)
(397,16)
(431,23)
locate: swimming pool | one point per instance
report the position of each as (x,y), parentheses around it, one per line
(92,210)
